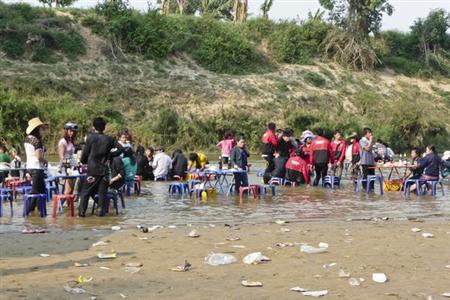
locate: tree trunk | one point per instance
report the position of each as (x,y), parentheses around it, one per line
(181,4)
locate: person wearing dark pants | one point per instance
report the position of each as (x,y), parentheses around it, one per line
(97,154)
(321,171)
(269,145)
(36,163)
(367,159)
(321,156)
(239,159)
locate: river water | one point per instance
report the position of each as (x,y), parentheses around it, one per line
(156,207)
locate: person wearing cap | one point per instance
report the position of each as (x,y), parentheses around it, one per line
(306,140)
(98,152)
(66,151)
(36,162)
(162,164)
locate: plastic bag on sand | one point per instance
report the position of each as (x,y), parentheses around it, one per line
(74,290)
(255,258)
(323,247)
(217,259)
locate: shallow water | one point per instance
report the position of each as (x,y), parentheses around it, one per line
(155,206)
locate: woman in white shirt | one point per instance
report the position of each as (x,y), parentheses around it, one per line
(66,151)
(36,162)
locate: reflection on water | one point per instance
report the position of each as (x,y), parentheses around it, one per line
(155,206)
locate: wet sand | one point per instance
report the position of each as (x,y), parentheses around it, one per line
(415,266)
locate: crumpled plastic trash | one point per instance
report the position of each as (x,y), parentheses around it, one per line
(44,255)
(255,258)
(315,294)
(194,234)
(379,277)
(354,282)
(247,283)
(116,228)
(447,295)
(74,290)
(427,235)
(182,268)
(103,255)
(323,247)
(343,274)
(217,259)
(298,289)
(81,279)
(99,243)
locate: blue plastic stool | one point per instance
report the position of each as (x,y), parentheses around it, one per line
(3,197)
(180,187)
(110,195)
(50,190)
(433,184)
(368,181)
(24,189)
(331,181)
(276,181)
(41,201)
(263,189)
(288,182)
(407,186)
(5,191)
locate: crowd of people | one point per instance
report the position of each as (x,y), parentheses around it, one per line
(110,163)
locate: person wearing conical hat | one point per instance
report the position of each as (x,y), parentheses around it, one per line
(36,162)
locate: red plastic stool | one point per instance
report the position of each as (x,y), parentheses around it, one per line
(70,202)
(253,189)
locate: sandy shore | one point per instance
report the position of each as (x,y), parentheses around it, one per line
(415,266)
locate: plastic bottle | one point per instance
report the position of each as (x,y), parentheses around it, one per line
(217,259)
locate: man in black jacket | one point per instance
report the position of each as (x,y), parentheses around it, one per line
(97,153)
(179,164)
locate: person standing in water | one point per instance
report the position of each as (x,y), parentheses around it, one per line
(97,154)
(66,151)
(36,162)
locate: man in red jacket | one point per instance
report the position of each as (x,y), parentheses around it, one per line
(321,156)
(269,145)
(338,146)
(297,169)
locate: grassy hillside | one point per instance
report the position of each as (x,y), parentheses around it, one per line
(185,88)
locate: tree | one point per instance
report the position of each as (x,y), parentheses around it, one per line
(58,3)
(219,9)
(349,44)
(265,7)
(240,8)
(431,33)
(358,16)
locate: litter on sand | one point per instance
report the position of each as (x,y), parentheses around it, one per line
(283,229)
(323,247)
(298,289)
(134,264)
(172,226)
(447,295)
(247,283)
(194,234)
(44,255)
(238,246)
(328,266)
(77,264)
(182,268)
(123,296)
(379,277)
(217,259)
(74,289)
(105,268)
(281,222)
(233,238)
(116,228)
(103,255)
(416,229)
(315,294)
(132,270)
(81,279)
(343,274)
(427,235)
(284,245)
(255,258)
(354,282)
(100,243)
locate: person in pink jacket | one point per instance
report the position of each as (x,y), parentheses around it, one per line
(225,147)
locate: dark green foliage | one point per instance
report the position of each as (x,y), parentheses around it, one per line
(291,43)
(35,33)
